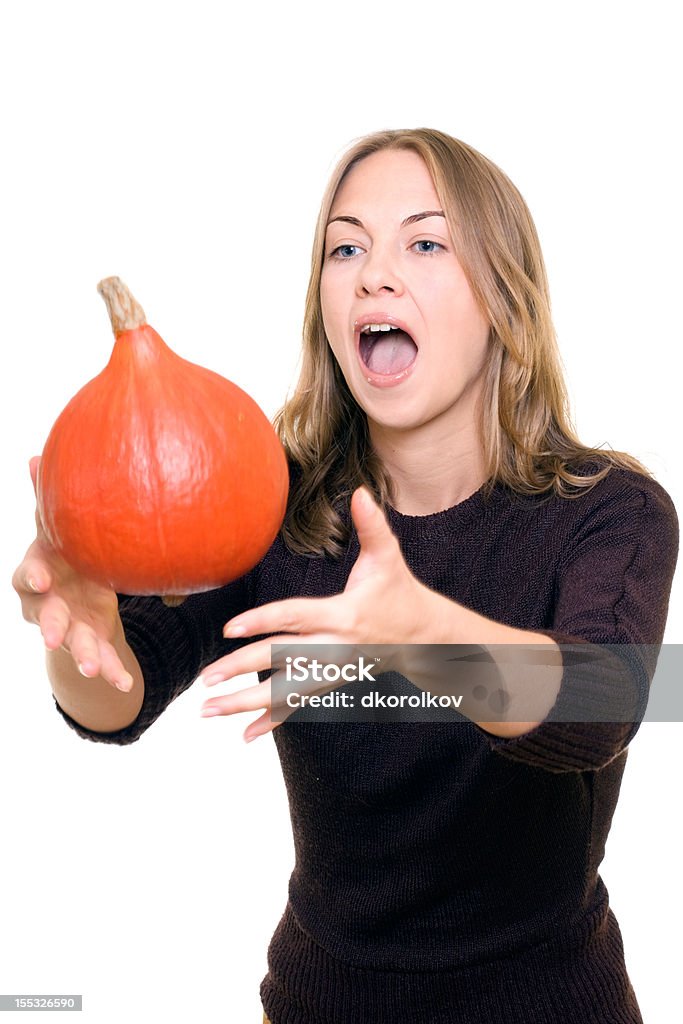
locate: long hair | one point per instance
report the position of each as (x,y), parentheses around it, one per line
(528,439)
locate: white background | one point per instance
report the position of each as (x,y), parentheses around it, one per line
(185,149)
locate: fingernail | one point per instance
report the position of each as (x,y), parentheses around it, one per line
(234,630)
(82,670)
(368,499)
(209,712)
(248,737)
(124,685)
(209,679)
(33,585)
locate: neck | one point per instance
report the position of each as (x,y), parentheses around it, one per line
(431,468)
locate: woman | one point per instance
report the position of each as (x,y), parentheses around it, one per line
(445,871)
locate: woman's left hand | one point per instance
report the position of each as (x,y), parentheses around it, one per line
(382,603)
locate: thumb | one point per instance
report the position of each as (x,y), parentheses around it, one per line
(33,466)
(33,469)
(374,532)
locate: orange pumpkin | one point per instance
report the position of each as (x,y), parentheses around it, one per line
(160,476)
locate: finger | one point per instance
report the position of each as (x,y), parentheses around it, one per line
(32,576)
(261,727)
(96,657)
(257,657)
(85,649)
(296,615)
(251,699)
(112,669)
(374,533)
(54,619)
(252,658)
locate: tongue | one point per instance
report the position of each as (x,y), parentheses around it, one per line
(391,353)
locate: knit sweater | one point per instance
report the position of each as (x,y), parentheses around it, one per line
(444,875)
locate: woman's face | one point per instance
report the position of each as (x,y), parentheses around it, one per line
(390,262)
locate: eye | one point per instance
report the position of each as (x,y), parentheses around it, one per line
(427,246)
(345,252)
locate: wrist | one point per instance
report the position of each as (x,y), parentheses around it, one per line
(433,621)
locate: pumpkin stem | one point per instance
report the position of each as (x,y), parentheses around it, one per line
(125,312)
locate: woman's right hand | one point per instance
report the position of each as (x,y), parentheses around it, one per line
(72,612)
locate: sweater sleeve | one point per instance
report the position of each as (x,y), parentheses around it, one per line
(612,597)
(172,646)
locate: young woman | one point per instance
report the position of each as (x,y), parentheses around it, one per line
(446,872)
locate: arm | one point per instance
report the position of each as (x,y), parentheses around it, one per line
(504,671)
(91,702)
(169,646)
(597,659)
(92,669)
(610,613)
(384,605)
(115,663)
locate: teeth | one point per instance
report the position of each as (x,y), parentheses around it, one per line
(373,328)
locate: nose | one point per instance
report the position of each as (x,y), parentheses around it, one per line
(378,273)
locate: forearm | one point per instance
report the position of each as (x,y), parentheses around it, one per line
(93,702)
(507,681)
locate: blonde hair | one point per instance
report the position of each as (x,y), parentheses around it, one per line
(528,440)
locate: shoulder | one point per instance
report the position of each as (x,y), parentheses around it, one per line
(625,496)
(623,508)
(619,490)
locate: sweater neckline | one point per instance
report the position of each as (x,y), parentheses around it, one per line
(410,527)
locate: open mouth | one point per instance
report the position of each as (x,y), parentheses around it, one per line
(386,350)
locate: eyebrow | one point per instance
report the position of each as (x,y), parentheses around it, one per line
(413,219)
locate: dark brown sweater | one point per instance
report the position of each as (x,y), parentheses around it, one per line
(444,875)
